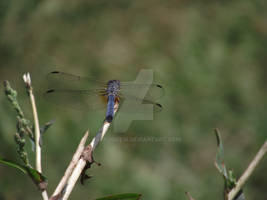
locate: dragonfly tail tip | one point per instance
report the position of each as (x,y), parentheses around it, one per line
(109,118)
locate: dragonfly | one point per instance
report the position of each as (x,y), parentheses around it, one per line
(88,94)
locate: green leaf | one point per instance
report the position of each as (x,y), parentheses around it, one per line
(12,164)
(229,178)
(44,128)
(36,176)
(219,161)
(126,196)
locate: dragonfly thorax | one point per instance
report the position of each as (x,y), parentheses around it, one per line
(113,87)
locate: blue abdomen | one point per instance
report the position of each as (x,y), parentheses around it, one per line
(110,108)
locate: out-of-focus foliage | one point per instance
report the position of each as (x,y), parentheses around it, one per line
(129,196)
(209,55)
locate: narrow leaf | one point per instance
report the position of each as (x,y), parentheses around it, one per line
(46,126)
(36,176)
(219,161)
(229,178)
(12,164)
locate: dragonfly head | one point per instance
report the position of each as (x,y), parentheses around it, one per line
(113,87)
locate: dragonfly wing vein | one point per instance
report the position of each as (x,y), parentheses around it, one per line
(77,99)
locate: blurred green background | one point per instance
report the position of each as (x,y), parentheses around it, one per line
(209,55)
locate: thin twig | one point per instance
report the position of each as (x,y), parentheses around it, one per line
(72,164)
(38,162)
(68,187)
(242,180)
(100,135)
(73,178)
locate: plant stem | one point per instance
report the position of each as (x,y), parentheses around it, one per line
(81,164)
(72,164)
(38,160)
(242,180)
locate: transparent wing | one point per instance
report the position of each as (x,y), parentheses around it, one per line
(85,93)
(157,107)
(77,99)
(134,104)
(153,91)
(149,92)
(91,100)
(59,78)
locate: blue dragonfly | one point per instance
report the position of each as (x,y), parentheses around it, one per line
(88,94)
